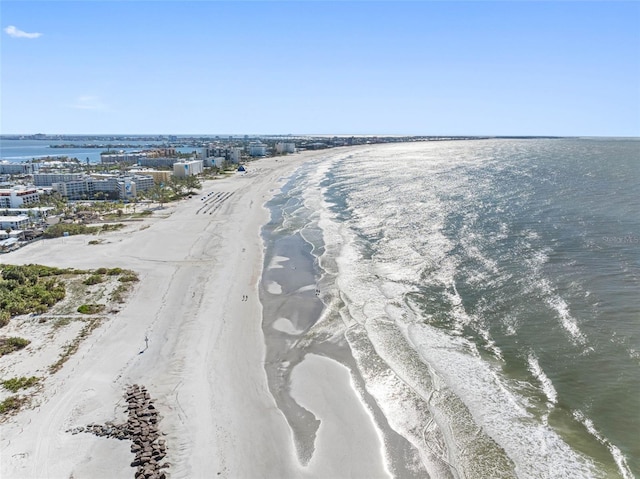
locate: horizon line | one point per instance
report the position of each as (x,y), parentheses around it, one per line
(389,135)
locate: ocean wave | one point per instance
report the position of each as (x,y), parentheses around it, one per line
(620,460)
(545,383)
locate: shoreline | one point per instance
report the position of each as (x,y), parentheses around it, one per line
(198,304)
(298,338)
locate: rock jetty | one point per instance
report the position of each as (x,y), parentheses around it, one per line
(142,429)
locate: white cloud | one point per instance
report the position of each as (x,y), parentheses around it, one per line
(89,102)
(15,33)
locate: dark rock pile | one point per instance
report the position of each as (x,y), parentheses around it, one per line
(108,429)
(142,429)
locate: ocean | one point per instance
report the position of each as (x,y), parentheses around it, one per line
(487,293)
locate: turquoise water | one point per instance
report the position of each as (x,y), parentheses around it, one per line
(488,291)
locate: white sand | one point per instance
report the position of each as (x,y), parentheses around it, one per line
(275,262)
(324,387)
(274,288)
(204,363)
(285,325)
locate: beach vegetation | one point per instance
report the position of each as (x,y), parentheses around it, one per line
(128,278)
(111,227)
(93,279)
(118,294)
(60,322)
(59,230)
(91,308)
(11,344)
(72,229)
(15,384)
(183,186)
(158,194)
(53,199)
(29,289)
(4,318)
(114,271)
(12,404)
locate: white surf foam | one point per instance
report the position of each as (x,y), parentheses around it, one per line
(537,450)
(545,382)
(618,457)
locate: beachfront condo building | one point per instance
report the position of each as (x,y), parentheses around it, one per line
(18,196)
(112,187)
(187,168)
(257,149)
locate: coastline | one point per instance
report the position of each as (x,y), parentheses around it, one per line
(198,304)
(306,343)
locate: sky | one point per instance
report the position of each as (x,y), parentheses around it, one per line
(564,68)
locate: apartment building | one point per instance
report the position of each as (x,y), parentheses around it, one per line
(7,168)
(48,179)
(158,162)
(116,187)
(79,189)
(14,222)
(257,149)
(187,168)
(230,154)
(18,196)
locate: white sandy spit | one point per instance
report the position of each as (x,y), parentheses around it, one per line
(197,303)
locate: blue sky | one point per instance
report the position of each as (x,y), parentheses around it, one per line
(311,67)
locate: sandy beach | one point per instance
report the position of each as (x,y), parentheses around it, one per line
(197,304)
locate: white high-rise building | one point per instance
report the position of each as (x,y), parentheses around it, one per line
(187,168)
(257,149)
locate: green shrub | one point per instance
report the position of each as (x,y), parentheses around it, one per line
(15,384)
(56,231)
(112,227)
(93,279)
(9,345)
(29,289)
(91,308)
(4,318)
(12,403)
(118,294)
(115,271)
(101,271)
(129,277)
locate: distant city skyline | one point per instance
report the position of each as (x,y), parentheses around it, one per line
(320,68)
